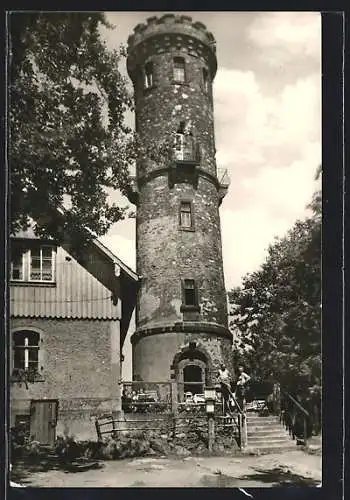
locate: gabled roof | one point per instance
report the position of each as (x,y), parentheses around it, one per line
(116,260)
(106,267)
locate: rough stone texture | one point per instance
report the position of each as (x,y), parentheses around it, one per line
(166,254)
(75,358)
(161,108)
(153,355)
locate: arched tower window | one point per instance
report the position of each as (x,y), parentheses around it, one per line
(179,69)
(26,350)
(148,82)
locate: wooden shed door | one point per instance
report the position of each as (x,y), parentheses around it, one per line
(43,420)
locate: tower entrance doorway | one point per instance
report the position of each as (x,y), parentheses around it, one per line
(191,370)
(193,379)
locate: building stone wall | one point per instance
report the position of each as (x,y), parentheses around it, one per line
(75,364)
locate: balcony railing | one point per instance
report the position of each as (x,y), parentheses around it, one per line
(186,149)
(224,182)
(223,177)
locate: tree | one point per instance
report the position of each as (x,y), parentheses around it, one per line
(68,141)
(276,313)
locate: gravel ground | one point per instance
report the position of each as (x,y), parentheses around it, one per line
(291,468)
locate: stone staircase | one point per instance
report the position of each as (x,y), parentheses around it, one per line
(267,434)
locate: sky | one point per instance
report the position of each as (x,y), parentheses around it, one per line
(267,110)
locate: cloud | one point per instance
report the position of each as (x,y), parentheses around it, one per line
(123,248)
(246,235)
(254,127)
(286,35)
(271,147)
(273,188)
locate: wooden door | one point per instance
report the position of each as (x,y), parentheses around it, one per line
(43,420)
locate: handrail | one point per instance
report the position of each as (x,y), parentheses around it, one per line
(235,401)
(297,404)
(291,424)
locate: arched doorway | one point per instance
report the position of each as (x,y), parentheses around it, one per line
(192,370)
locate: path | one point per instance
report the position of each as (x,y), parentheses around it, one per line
(293,468)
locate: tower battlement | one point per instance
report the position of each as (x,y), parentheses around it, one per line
(171,23)
(171,32)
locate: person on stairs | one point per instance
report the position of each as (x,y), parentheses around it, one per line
(225,384)
(241,387)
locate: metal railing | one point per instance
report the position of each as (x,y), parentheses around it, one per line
(291,409)
(162,406)
(147,397)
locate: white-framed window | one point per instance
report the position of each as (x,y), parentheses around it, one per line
(148,75)
(36,264)
(26,350)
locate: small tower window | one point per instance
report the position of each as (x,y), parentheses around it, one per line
(190,296)
(205,80)
(179,69)
(148,75)
(186,214)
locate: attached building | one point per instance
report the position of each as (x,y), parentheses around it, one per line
(69,320)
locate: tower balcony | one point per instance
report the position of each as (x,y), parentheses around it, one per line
(186,160)
(186,150)
(223,181)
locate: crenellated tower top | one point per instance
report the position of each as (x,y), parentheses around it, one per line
(171,32)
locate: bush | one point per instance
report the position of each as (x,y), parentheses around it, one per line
(68,449)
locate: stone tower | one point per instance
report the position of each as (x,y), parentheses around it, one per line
(181,315)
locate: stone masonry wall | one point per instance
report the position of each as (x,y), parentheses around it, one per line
(161,108)
(165,346)
(75,359)
(166,254)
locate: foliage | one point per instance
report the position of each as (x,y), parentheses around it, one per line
(276,313)
(67,136)
(25,376)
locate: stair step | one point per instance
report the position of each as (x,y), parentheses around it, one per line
(273,448)
(268,444)
(265,434)
(264,424)
(263,420)
(269,439)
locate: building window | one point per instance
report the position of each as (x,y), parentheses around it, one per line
(26,351)
(17,265)
(34,264)
(205,80)
(148,75)
(41,264)
(186,214)
(190,296)
(179,69)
